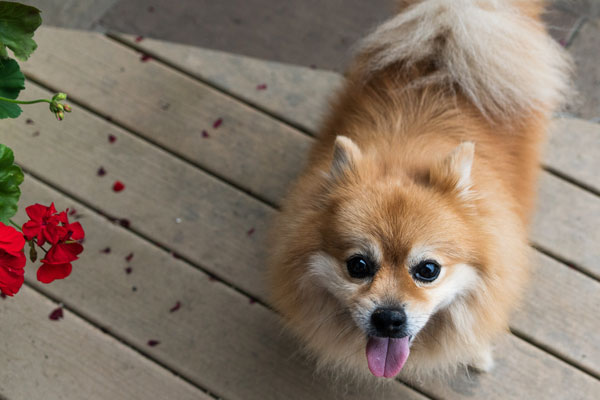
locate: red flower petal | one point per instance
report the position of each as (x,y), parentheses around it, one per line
(250,232)
(105,251)
(112,138)
(217,123)
(176,307)
(118,186)
(262,86)
(56,314)
(129,257)
(124,222)
(62,253)
(101,171)
(76,231)
(153,343)
(128,270)
(10,282)
(205,134)
(145,57)
(139,39)
(49,272)
(11,240)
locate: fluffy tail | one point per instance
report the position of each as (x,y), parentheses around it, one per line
(496,52)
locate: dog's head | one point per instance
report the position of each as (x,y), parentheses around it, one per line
(396,249)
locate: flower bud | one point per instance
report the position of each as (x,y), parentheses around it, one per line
(60,107)
(68,108)
(60,115)
(59,97)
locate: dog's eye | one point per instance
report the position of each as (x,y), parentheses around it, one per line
(360,267)
(426,271)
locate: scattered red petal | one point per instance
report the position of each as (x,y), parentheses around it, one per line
(251,301)
(101,171)
(250,231)
(56,314)
(205,134)
(124,222)
(153,343)
(72,212)
(129,257)
(112,138)
(176,307)
(128,270)
(145,57)
(118,186)
(217,123)
(139,39)
(262,86)
(105,251)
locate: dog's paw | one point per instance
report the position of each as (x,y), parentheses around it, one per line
(484,362)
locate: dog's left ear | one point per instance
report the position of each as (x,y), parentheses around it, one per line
(453,173)
(346,155)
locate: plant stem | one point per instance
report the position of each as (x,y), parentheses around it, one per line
(15,224)
(25,102)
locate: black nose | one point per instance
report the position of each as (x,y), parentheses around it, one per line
(389,322)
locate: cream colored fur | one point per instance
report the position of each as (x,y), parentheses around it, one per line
(502,60)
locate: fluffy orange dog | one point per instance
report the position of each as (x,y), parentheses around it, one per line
(403,246)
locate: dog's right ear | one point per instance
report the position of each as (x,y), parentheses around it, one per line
(346,155)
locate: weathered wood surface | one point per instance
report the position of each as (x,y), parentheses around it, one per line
(70,359)
(241,76)
(260,157)
(128,158)
(214,219)
(218,339)
(573,150)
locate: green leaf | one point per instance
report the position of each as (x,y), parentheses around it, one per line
(12,82)
(18,22)
(11,177)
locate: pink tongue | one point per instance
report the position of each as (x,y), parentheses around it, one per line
(386,356)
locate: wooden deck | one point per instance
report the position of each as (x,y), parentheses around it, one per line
(199,208)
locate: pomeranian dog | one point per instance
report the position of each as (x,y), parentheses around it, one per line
(403,245)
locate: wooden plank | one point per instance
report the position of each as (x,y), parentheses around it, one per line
(521,372)
(573,150)
(566,223)
(261,157)
(70,359)
(227,250)
(556,313)
(218,339)
(75,14)
(241,76)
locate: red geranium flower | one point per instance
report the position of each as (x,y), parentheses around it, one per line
(12,260)
(44,223)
